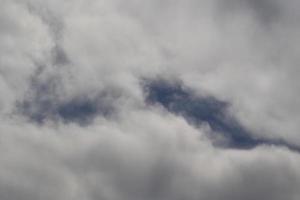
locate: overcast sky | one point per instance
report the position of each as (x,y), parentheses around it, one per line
(149,100)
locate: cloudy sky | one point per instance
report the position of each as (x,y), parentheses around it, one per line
(149,100)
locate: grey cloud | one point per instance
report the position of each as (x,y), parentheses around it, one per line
(75,123)
(265,11)
(127,166)
(49,16)
(59,56)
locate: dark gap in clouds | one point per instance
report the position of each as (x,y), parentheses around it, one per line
(77,110)
(45,101)
(197,110)
(83,110)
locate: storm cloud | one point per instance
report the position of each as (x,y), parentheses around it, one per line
(149,100)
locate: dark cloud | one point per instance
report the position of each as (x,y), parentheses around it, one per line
(178,99)
(265,12)
(60,57)
(46,100)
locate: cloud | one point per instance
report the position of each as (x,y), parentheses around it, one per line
(226,129)
(78,121)
(164,161)
(44,101)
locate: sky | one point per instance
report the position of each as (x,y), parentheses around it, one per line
(149,100)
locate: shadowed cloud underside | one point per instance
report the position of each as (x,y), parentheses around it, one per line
(46,101)
(180,100)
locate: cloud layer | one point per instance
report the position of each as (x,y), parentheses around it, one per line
(149,100)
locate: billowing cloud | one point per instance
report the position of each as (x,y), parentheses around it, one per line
(149,100)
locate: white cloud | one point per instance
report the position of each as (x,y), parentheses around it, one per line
(52,52)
